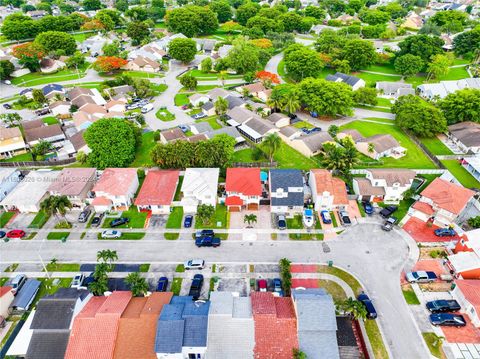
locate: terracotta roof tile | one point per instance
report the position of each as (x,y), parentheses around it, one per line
(447,195)
(4,290)
(423,207)
(325,182)
(116,181)
(471,291)
(244,180)
(158,188)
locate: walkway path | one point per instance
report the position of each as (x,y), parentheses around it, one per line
(272,65)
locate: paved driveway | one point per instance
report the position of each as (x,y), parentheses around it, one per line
(264,221)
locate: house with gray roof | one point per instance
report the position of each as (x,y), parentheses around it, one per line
(256,129)
(316,323)
(381,145)
(230,327)
(238,115)
(354,82)
(182,329)
(26,295)
(311,144)
(200,127)
(466,135)
(229,131)
(286,191)
(394,89)
(234,101)
(208,108)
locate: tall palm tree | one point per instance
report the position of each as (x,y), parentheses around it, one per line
(271,144)
(107,256)
(333,159)
(138,285)
(275,102)
(354,308)
(250,218)
(221,106)
(292,103)
(55,205)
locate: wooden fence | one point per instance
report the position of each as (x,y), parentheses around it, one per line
(51,163)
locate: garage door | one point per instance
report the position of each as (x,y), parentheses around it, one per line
(252,206)
(234,208)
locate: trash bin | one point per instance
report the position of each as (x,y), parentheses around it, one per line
(330,263)
(64,239)
(452,287)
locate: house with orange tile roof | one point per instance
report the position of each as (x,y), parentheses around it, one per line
(465,260)
(157,192)
(138,325)
(11,142)
(328,192)
(243,188)
(95,328)
(275,326)
(6,299)
(75,183)
(467,294)
(115,189)
(443,201)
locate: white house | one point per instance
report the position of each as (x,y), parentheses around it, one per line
(198,99)
(328,192)
(384,184)
(60,108)
(200,186)
(115,189)
(9,178)
(467,294)
(11,142)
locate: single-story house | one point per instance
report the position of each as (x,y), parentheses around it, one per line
(173,134)
(217,92)
(115,106)
(50,133)
(310,145)
(472,165)
(279,119)
(141,63)
(394,89)
(443,88)
(200,186)
(354,82)
(60,108)
(157,191)
(78,142)
(52,90)
(224,50)
(115,189)
(381,145)
(208,108)
(198,99)
(413,21)
(256,89)
(238,115)
(286,191)
(289,133)
(243,189)
(328,192)
(200,127)
(25,296)
(229,131)
(75,183)
(466,135)
(256,129)
(11,142)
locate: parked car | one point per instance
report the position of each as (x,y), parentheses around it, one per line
(367,206)
(162,284)
(16,233)
(183,128)
(194,264)
(185,107)
(205,233)
(277,285)
(388,211)
(132,106)
(83,217)
(389,223)
(198,116)
(111,233)
(42,111)
(262,285)
(77,281)
(447,319)
(443,305)
(2,234)
(315,129)
(18,282)
(326,218)
(7,106)
(208,242)
(187,222)
(147,108)
(7,82)
(196,287)
(344,218)
(119,221)
(371,312)
(281,222)
(445,232)
(421,277)
(97,219)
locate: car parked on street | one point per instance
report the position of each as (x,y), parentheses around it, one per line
(262,285)
(448,320)
(194,264)
(326,218)
(119,221)
(2,234)
(344,218)
(16,233)
(389,223)
(208,242)
(97,219)
(196,286)
(371,312)
(17,283)
(187,221)
(83,217)
(146,108)
(7,106)
(388,211)
(443,305)
(205,233)
(421,277)
(77,281)
(277,285)
(162,284)
(281,222)
(445,232)
(111,233)
(367,206)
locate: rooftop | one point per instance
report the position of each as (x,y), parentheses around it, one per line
(391,176)
(244,181)
(471,291)
(447,195)
(116,181)
(72,181)
(44,132)
(158,188)
(325,182)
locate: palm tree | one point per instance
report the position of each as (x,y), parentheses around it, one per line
(107,255)
(53,262)
(40,149)
(221,106)
(250,218)
(333,158)
(98,287)
(55,205)
(292,103)
(271,144)
(275,102)
(138,285)
(245,92)
(354,308)
(371,148)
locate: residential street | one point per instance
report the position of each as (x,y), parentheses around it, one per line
(375,257)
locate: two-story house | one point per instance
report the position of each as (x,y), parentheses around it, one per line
(386,184)
(11,142)
(466,135)
(115,189)
(442,201)
(243,188)
(75,183)
(286,191)
(200,186)
(328,192)
(157,192)
(465,260)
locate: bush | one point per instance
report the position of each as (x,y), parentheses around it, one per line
(474,222)
(63,225)
(286,275)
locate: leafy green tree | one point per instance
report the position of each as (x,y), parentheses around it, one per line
(40,149)
(408,64)
(76,60)
(298,354)
(286,275)
(354,308)
(341,66)
(11,119)
(113,143)
(6,68)
(221,106)
(474,222)
(192,20)
(333,158)
(243,57)
(462,105)
(56,205)
(183,49)
(56,40)
(419,116)
(206,64)
(467,42)
(89,5)
(359,53)
(121,5)
(189,81)
(365,96)
(138,285)
(38,96)
(423,46)
(205,213)
(439,66)
(302,62)
(18,27)
(315,11)
(329,42)
(138,31)
(137,13)
(105,20)
(451,21)
(373,16)
(271,145)
(292,103)
(333,130)
(246,11)
(223,10)
(112,49)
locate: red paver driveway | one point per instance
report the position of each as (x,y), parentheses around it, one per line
(420,232)
(467,334)
(305,283)
(433,265)
(304,268)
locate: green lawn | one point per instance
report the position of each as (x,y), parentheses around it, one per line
(282,72)
(5,217)
(456,73)
(158,88)
(211,75)
(50,120)
(244,155)
(164,115)
(436,146)
(434,344)
(459,61)
(387,68)
(410,297)
(384,102)
(82,37)
(346,277)
(178,191)
(142,74)
(372,79)
(302,124)
(219,219)
(63,267)
(335,290)
(175,218)
(38,78)
(213,122)
(137,219)
(58,235)
(176,286)
(182,99)
(414,158)
(376,340)
(24,157)
(142,155)
(125,236)
(295,222)
(39,220)
(287,157)
(461,174)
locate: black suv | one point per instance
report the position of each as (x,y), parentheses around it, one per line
(196,287)
(97,220)
(205,233)
(388,211)
(119,221)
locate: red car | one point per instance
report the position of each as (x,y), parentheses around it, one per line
(16,233)
(262,285)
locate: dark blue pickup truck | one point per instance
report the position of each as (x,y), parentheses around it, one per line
(207,242)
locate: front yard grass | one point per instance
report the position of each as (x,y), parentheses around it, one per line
(174,221)
(176,286)
(436,146)
(212,121)
(376,340)
(5,217)
(182,99)
(137,219)
(63,267)
(164,115)
(142,154)
(346,277)
(39,220)
(58,235)
(335,290)
(219,219)
(434,344)
(125,236)
(461,174)
(295,222)
(372,79)
(414,158)
(410,296)
(38,78)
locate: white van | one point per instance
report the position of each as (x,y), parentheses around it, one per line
(147,108)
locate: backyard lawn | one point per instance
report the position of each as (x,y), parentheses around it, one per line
(455,73)
(371,79)
(387,68)
(436,146)
(27,156)
(164,115)
(212,121)
(5,217)
(142,155)
(38,78)
(220,219)
(175,218)
(461,174)
(414,158)
(287,157)
(50,120)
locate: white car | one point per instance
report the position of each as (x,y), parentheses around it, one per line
(77,281)
(194,264)
(111,233)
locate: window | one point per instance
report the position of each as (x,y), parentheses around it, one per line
(192,356)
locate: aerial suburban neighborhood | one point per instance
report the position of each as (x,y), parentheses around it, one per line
(234,179)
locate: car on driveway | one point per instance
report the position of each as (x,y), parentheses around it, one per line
(448,319)
(183,128)
(119,221)
(445,232)
(344,218)
(97,220)
(7,106)
(111,233)
(208,242)
(205,233)
(367,206)
(83,217)
(16,233)
(389,223)
(17,283)
(187,221)
(196,287)
(371,312)
(262,285)
(162,284)
(198,116)
(277,285)
(326,218)
(77,281)
(421,277)
(281,222)
(443,305)
(194,264)
(388,211)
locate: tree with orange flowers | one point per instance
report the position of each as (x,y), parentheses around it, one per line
(267,78)
(30,54)
(93,25)
(262,43)
(109,63)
